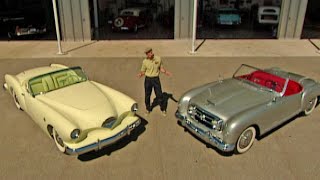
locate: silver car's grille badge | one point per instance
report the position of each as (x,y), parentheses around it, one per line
(204,117)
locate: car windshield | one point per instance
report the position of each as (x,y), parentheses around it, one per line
(261,78)
(56,80)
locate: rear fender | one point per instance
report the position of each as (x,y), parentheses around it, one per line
(13,84)
(310,93)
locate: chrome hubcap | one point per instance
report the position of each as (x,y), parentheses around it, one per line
(311,104)
(245,139)
(59,140)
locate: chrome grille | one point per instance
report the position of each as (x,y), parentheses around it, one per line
(204,117)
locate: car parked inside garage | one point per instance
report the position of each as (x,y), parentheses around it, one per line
(228,16)
(132,19)
(268,15)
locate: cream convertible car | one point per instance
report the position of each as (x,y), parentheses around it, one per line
(79,114)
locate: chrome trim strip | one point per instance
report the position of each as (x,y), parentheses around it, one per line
(202,134)
(102,142)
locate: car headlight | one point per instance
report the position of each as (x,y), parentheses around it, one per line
(191,109)
(217,125)
(134,107)
(75,134)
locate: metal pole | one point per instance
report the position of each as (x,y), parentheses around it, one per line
(194,26)
(57,25)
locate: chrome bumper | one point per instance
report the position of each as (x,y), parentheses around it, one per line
(204,135)
(103,142)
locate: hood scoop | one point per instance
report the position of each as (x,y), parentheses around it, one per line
(218,97)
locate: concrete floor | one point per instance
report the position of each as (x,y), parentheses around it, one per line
(160,149)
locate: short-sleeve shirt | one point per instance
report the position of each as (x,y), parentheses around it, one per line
(151,67)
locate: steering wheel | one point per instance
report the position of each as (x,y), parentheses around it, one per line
(272,85)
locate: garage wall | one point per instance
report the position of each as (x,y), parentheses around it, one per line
(74,20)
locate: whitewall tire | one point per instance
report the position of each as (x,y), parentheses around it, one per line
(59,142)
(311,105)
(245,140)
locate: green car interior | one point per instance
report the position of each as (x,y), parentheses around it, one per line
(56,80)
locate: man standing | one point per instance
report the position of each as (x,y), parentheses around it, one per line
(151,68)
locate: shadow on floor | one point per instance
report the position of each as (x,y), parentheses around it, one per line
(166,96)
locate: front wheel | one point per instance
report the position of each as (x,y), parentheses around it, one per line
(245,140)
(59,142)
(311,105)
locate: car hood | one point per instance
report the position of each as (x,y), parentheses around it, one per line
(83,104)
(230,97)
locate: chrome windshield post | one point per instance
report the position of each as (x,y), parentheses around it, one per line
(284,87)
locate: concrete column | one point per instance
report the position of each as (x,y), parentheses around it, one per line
(75,20)
(292,18)
(300,20)
(86,22)
(183,19)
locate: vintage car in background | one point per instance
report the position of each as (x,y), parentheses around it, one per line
(131,19)
(27,31)
(80,115)
(268,15)
(229,114)
(19,26)
(228,16)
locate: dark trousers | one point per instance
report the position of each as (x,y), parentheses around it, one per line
(149,84)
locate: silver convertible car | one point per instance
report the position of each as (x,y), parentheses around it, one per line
(80,115)
(229,114)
